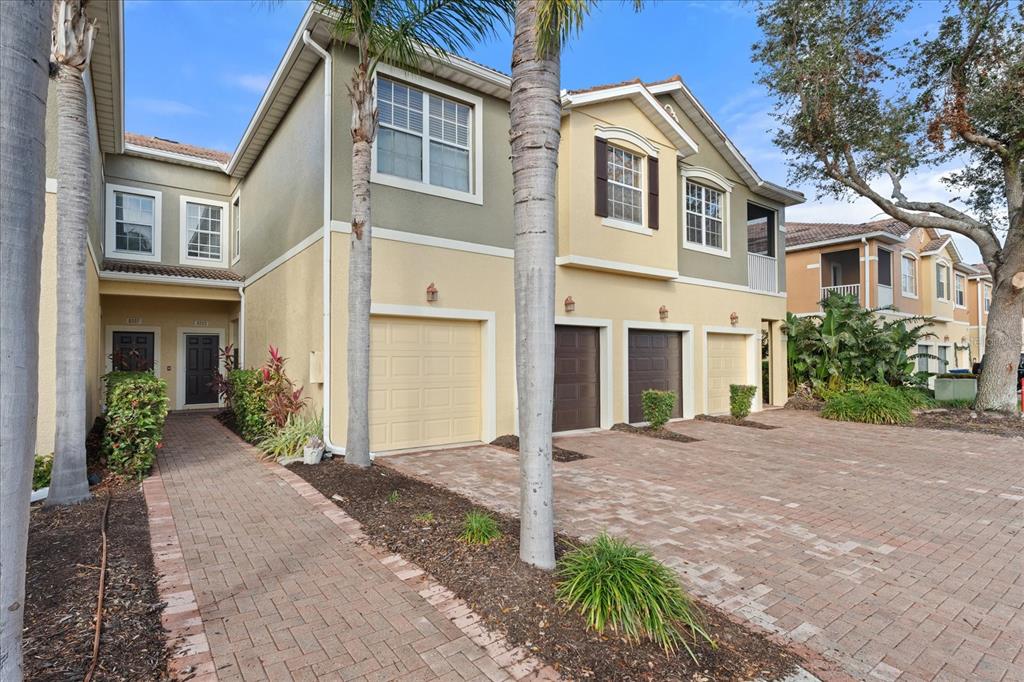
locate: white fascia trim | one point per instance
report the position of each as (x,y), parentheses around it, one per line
(608,132)
(686,352)
(169,279)
(605,343)
(842,240)
(697,281)
(476,196)
(427,240)
(488,387)
(753,361)
(285,257)
(172,157)
(179,391)
(616,266)
(51,185)
(109,231)
(225,230)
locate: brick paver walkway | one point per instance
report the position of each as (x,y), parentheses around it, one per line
(284,593)
(894,552)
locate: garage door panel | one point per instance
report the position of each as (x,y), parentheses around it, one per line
(425,382)
(577,389)
(727,364)
(655,362)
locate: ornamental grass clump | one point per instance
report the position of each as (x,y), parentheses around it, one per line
(479,528)
(136,410)
(872,404)
(657,406)
(288,441)
(618,586)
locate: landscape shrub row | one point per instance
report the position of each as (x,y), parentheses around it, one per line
(136,411)
(875,404)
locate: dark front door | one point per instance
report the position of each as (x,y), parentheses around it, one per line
(132,352)
(200,368)
(577,379)
(655,361)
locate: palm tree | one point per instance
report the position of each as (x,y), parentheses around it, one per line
(402,33)
(24,37)
(71,48)
(541,28)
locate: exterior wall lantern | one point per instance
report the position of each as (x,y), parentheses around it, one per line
(734,319)
(663,312)
(570,305)
(431,293)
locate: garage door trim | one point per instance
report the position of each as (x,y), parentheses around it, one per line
(687,359)
(604,328)
(488,351)
(753,361)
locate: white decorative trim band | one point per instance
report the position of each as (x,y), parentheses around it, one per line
(616,266)
(427,240)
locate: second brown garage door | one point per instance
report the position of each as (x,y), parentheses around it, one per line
(655,361)
(577,379)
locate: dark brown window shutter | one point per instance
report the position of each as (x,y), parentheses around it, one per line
(600,177)
(652,192)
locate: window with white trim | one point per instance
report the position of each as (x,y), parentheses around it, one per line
(625,185)
(923,352)
(236,222)
(203,231)
(423,136)
(135,223)
(943,359)
(987,297)
(908,275)
(961,290)
(704,215)
(942,281)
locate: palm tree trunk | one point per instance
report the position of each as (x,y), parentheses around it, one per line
(68,481)
(535,116)
(24,46)
(357,445)
(997,383)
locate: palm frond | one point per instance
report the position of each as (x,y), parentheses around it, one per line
(560,20)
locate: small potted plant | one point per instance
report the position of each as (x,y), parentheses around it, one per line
(313,450)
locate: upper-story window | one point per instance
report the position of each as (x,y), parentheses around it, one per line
(133,223)
(704,216)
(987,298)
(942,281)
(908,274)
(961,290)
(427,140)
(236,223)
(625,186)
(203,231)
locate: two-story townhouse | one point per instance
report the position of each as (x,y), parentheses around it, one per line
(886,263)
(670,263)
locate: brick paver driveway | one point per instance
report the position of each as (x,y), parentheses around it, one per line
(283,592)
(893,552)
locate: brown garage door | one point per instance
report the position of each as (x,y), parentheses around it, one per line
(577,379)
(654,362)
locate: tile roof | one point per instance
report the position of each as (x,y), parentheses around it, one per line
(981,268)
(176,147)
(935,244)
(159,269)
(799,234)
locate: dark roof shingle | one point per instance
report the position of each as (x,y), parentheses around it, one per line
(159,269)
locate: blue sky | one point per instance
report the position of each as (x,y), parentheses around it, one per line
(195,71)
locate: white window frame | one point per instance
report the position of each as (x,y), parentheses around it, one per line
(959,279)
(236,228)
(225,230)
(476,155)
(708,177)
(986,298)
(941,265)
(927,360)
(619,223)
(904,257)
(612,134)
(110,239)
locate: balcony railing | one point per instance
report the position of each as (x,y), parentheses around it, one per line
(842,289)
(762,273)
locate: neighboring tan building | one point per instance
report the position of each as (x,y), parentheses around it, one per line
(659,282)
(916,271)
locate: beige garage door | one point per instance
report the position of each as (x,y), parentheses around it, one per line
(424,382)
(727,364)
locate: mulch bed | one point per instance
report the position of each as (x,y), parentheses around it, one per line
(62,583)
(558,454)
(970,421)
(721,419)
(651,432)
(519,601)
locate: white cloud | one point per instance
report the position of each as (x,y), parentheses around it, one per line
(165,107)
(253,82)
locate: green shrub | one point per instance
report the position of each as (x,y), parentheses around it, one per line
(289,440)
(41,471)
(136,410)
(961,404)
(962,375)
(916,398)
(657,406)
(871,404)
(250,408)
(740,399)
(479,528)
(616,585)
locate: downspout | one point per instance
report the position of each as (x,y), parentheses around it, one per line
(867,272)
(307,38)
(241,325)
